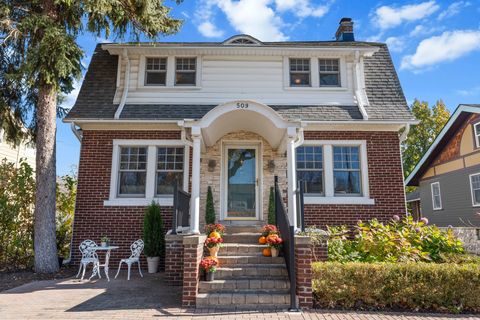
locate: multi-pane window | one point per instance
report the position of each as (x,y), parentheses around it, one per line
(310,168)
(436,196)
(185,71)
(132,171)
(329,72)
(156,71)
(475,188)
(169,169)
(476,129)
(299,72)
(346,170)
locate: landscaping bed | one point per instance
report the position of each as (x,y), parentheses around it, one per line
(12,279)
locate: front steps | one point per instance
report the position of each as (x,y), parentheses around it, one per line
(245,279)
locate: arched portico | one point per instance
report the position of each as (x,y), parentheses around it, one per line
(250,116)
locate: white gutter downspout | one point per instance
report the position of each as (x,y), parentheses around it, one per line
(126,84)
(76,131)
(300,138)
(359,86)
(402,138)
(405,132)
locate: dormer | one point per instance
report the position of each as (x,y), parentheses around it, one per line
(242,39)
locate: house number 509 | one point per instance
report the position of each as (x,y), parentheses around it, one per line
(242,105)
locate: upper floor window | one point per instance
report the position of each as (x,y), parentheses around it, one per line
(436,196)
(185,71)
(299,72)
(169,169)
(346,170)
(156,71)
(310,168)
(476,129)
(329,72)
(132,172)
(475,188)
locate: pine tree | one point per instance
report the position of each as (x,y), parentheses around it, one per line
(210,209)
(39,61)
(271,207)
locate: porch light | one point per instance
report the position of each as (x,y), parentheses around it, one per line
(271,165)
(211,165)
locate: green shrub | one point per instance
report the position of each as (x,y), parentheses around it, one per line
(415,286)
(271,207)
(153,233)
(210,209)
(66,194)
(394,241)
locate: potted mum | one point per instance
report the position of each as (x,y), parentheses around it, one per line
(153,236)
(213,244)
(209,265)
(215,230)
(269,229)
(275,243)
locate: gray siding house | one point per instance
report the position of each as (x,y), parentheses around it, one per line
(448,177)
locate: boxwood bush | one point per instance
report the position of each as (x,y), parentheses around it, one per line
(444,287)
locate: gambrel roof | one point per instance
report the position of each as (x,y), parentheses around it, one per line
(385,95)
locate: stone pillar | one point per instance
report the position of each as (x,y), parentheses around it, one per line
(291,176)
(303,268)
(192,255)
(174,259)
(195,202)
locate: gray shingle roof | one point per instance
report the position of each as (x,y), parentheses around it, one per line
(387,102)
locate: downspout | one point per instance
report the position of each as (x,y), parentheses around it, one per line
(76,132)
(402,138)
(405,132)
(300,138)
(126,84)
(359,88)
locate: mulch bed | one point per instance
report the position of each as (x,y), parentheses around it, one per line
(12,279)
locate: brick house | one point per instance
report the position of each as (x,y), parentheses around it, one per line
(232,115)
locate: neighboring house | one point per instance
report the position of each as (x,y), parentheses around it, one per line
(15,153)
(448,177)
(232,115)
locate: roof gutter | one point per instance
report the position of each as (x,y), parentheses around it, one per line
(126,84)
(361,122)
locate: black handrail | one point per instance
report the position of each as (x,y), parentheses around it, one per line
(287,232)
(181,209)
(300,205)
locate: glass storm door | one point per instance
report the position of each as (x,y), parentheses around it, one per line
(241,183)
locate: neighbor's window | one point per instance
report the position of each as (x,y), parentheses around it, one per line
(346,170)
(299,72)
(476,128)
(185,71)
(156,71)
(436,196)
(133,171)
(329,72)
(169,169)
(475,188)
(310,168)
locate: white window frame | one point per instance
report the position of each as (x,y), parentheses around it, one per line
(145,84)
(152,145)
(433,195)
(476,132)
(329,190)
(322,194)
(170,78)
(339,72)
(471,189)
(301,72)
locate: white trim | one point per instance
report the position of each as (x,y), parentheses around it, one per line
(339,200)
(461,108)
(439,195)
(126,85)
(471,189)
(151,145)
(476,134)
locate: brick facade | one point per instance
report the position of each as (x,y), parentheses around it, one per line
(122,224)
(193,247)
(174,260)
(385,181)
(303,271)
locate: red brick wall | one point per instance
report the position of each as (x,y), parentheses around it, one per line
(123,225)
(385,181)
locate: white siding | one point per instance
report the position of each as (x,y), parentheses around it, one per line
(14,155)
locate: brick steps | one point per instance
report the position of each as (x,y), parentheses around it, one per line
(242,237)
(246,286)
(249,270)
(238,249)
(243,300)
(249,259)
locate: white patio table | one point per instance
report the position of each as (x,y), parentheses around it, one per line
(96,269)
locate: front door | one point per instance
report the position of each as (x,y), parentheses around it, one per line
(241,182)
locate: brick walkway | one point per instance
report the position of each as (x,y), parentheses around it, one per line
(145,299)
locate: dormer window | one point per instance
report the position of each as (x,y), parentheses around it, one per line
(156,71)
(185,71)
(476,130)
(242,39)
(299,72)
(329,72)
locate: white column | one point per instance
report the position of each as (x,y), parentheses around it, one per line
(195,201)
(291,176)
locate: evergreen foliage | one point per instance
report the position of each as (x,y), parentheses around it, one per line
(271,207)
(210,209)
(153,232)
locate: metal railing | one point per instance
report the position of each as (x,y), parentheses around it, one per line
(300,205)
(181,209)
(287,232)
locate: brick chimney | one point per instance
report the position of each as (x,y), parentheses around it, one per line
(345,30)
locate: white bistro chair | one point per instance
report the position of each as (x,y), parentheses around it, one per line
(136,248)
(88,256)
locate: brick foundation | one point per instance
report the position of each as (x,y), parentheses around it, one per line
(303,269)
(192,255)
(174,260)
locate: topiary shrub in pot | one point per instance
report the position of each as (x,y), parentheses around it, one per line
(153,236)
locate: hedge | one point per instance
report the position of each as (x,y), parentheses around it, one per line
(445,287)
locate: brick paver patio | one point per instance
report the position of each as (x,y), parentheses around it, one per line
(146,298)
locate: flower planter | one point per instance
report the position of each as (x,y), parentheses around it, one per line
(104,244)
(214,251)
(153,264)
(209,276)
(274,252)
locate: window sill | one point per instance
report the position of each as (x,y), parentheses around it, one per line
(315,88)
(167,88)
(127,202)
(339,200)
